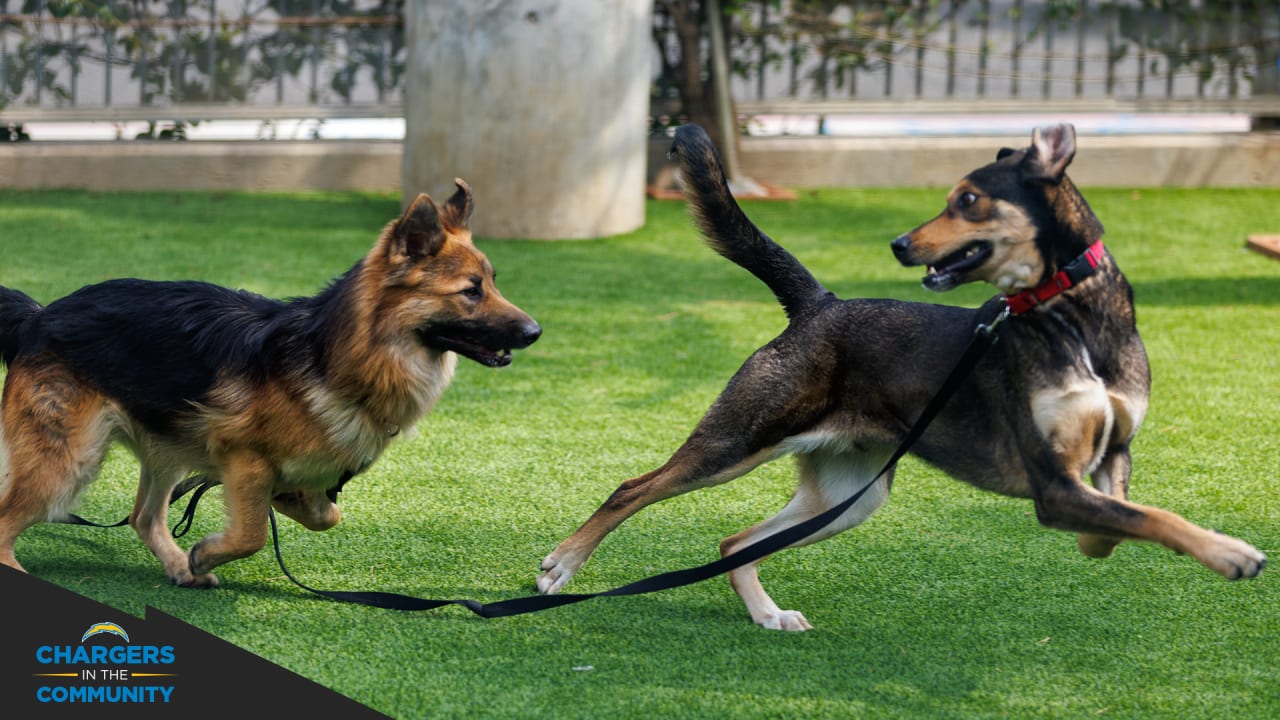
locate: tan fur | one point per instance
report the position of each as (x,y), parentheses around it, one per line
(1015,264)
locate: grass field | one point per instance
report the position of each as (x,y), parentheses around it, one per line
(949,603)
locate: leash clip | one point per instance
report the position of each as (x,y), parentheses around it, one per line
(989,329)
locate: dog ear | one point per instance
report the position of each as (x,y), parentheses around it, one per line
(458,208)
(1003,153)
(418,233)
(1051,151)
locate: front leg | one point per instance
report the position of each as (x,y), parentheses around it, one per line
(247,480)
(149,520)
(1067,504)
(1075,421)
(1111,478)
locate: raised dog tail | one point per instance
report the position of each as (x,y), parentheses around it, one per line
(15,309)
(728,230)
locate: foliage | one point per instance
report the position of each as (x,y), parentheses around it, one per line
(840,37)
(193,51)
(1202,35)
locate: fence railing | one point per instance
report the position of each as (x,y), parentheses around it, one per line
(189,60)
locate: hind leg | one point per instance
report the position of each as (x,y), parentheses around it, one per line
(682,473)
(772,397)
(826,480)
(150,520)
(55,435)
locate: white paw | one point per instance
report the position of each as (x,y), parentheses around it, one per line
(1234,559)
(788,620)
(555,576)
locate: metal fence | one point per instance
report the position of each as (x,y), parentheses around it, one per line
(212,59)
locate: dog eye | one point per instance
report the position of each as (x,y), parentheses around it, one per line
(475,292)
(966,200)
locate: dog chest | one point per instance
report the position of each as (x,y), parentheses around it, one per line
(317,471)
(352,438)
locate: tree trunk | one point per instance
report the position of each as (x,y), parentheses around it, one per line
(540,105)
(695,87)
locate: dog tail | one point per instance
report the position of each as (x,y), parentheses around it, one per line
(728,230)
(15,309)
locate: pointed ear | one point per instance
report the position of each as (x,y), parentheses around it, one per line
(1051,151)
(458,208)
(418,233)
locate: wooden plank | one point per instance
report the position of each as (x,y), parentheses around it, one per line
(1265,244)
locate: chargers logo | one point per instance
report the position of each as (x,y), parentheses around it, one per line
(105,670)
(104,627)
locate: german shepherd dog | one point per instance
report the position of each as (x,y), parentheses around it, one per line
(280,401)
(1059,397)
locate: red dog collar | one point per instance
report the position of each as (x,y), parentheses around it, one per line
(1069,276)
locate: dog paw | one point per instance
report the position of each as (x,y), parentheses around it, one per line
(206,581)
(558,569)
(788,620)
(1233,559)
(183,577)
(198,563)
(1096,546)
(178,568)
(553,579)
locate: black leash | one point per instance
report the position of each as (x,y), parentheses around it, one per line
(201,485)
(984,337)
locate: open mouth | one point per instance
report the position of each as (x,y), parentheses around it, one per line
(949,272)
(471,350)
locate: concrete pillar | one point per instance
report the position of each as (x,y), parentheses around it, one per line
(540,105)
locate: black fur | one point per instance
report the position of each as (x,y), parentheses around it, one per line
(795,287)
(15,309)
(158,347)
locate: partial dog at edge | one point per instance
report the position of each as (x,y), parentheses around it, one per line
(280,401)
(1059,397)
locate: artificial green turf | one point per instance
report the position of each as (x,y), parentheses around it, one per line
(949,603)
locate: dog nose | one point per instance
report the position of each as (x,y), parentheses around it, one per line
(530,333)
(901,247)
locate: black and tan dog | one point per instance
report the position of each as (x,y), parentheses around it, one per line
(1059,397)
(280,401)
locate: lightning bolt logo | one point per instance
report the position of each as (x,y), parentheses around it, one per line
(105,627)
